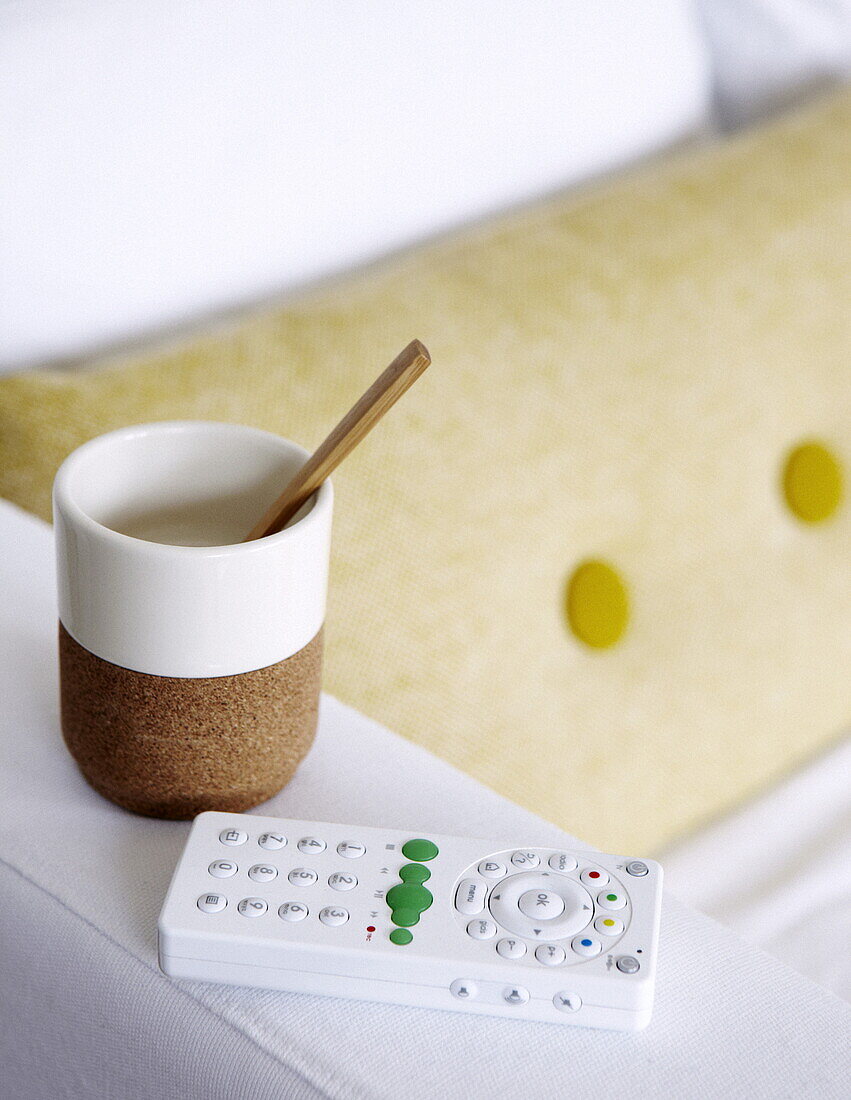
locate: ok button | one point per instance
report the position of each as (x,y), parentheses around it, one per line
(541,904)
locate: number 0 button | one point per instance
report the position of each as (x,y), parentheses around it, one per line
(222,868)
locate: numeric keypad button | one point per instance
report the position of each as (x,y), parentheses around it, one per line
(211,903)
(233,837)
(511,949)
(262,872)
(311,845)
(332,915)
(350,849)
(525,860)
(342,880)
(302,876)
(272,841)
(492,868)
(481,929)
(222,868)
(563,862)
(292,911)
(252,907)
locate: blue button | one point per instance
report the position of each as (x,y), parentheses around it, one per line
(587,943)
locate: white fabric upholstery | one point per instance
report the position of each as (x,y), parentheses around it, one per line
(87,1013)
(163,159)
(770,54)
(778,871)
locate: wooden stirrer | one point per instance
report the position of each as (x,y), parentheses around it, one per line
(384,392)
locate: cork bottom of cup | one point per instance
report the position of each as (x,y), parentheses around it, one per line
(172,747)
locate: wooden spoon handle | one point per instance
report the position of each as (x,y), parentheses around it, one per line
(384,392)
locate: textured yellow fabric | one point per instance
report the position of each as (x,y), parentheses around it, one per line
(617,376)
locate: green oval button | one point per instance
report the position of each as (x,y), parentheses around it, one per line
(400,936)
(420,850)
(405,917)
(414,872)
(409,895)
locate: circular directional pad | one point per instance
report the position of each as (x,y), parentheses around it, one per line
(540,906)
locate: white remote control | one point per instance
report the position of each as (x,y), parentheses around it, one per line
(534,933)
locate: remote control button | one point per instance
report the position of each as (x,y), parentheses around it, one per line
(252,907)
(415,872)
(586,946)
(561,861)
(492,868)
(272,841)
(511,949)
(262,872)
(400,936)
(504,906)
(302,876)
(340,880)
(420,850)
(627,964)
(463,989)
(515,995)
(541,904)
(637,867)
(292,911)
(550,954)
(211,903)
(608,926)
(611,900)
(350,850)
(407,900)
(525,860)
(311,845)
(233,836)
(481,929)
(592,876)
(222,868)
(330,915)
(567,1002)
(470,896)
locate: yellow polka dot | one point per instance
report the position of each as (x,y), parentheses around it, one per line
(596,604)
(812,482)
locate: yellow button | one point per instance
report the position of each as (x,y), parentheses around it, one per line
(812,482)
(597,604)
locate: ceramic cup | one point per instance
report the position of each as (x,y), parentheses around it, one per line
(190,661)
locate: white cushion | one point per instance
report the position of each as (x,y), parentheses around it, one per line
(770,54)
(165,159)
(87,1013)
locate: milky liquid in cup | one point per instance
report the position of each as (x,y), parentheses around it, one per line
(208,522)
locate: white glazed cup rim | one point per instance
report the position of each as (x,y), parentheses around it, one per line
(70,468)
